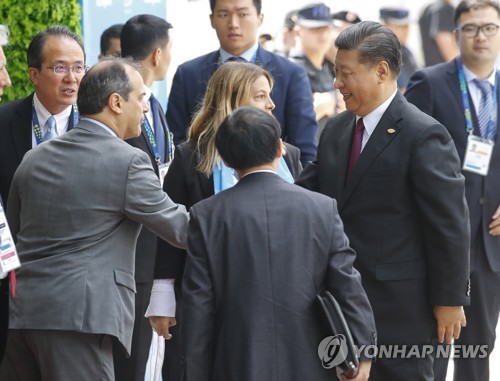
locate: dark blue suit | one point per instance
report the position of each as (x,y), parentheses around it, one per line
(291,95)
(436,91)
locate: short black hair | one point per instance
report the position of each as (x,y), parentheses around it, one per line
(35,50)
(105,78)
(247,138)
(114,31)
(374,43)
(143,33)
(469,5)
(257,3)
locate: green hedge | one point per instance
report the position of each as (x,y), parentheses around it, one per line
(25,18)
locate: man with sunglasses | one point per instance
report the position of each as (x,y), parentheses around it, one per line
(463,95)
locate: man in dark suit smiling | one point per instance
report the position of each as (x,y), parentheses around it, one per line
(396,176)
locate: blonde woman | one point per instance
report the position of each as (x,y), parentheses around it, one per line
(197,172)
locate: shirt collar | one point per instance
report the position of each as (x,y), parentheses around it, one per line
(102,125)
(470,76)
(371,120)
(248,55)
(258,171)
(43,114)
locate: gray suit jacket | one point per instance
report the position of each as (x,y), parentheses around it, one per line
(76,207)
(258,254)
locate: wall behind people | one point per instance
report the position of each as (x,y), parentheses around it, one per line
(25,19)
(99,15)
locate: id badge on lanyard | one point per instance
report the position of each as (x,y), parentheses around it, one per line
(162,171)
(478,155)
(9,260)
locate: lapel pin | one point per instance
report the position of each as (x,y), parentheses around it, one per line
(391,130)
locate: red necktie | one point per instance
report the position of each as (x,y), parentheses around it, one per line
(356,145)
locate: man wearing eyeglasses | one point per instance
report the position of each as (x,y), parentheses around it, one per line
(463,95)
(56,64)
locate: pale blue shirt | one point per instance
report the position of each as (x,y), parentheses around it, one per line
(62,119)
(248,55)
(474,91)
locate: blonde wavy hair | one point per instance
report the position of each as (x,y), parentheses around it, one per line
(228,87)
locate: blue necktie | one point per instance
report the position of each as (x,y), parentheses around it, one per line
(51,129)
(158,127)
(485,109)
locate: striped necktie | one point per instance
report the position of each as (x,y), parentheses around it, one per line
(50,129)
(485,108)
(356,144)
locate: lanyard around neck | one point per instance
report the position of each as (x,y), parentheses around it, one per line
(152,140)
(36,124)
(465,99)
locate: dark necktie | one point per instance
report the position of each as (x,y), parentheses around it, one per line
(485,109)
(236,59)
(356,145)
(158,127)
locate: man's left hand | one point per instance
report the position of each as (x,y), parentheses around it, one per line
(450,320)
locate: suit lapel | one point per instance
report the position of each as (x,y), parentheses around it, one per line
(342,144)
(22,132)
(379,140)
(207,70)
(453,83)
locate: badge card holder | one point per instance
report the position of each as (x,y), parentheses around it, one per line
(9,260)
(162,171)
(478,155)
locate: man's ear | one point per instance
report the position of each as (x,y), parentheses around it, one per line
(34,73)
(383,71)
(456,35)
(155,57)
(115,103)
(280,149)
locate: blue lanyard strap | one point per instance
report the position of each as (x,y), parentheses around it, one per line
(36,124)
(465,99)
(152,139)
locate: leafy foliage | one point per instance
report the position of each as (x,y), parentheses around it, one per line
(25,18)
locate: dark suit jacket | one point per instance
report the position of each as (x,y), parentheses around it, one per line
(16,140)
(186,186)
(405,214)
(16,132)
(146,244)
(435,91)
(258,254)
(291,95)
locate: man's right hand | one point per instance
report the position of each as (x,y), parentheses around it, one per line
(161,325)
(363,373)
